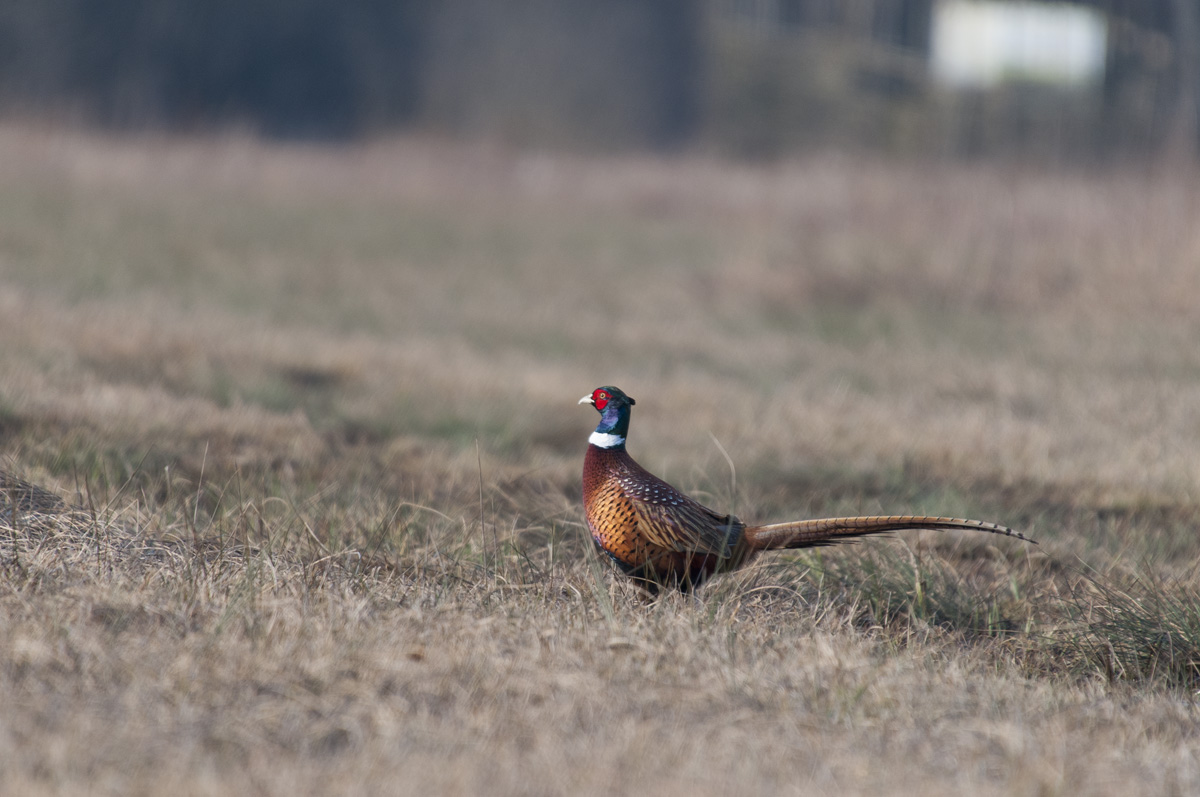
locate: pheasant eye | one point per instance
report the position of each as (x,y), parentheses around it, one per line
(601,398)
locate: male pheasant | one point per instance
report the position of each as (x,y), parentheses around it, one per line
(659,536)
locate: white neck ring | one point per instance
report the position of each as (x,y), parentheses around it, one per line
(605,440)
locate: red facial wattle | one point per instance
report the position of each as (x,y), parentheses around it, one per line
(600,399)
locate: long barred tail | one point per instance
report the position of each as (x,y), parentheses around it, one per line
(829,531)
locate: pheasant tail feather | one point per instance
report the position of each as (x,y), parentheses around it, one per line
(830,531)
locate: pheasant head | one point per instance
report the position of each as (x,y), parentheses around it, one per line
(613,406)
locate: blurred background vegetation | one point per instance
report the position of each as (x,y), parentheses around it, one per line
(756,78)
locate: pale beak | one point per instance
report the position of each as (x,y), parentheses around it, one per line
(586,400)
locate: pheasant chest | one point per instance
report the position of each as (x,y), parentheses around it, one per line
(611,517)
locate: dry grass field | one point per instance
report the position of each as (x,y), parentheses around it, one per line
(311,416)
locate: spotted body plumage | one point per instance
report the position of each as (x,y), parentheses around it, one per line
(660,536)
(636,518)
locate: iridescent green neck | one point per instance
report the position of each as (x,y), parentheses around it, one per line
(613,427)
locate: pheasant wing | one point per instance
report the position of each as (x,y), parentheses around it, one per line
(671,520)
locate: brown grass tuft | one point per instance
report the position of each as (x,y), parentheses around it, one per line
(306,519)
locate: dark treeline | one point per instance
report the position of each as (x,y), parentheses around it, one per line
(752,77)
(285,67)
(618,70)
